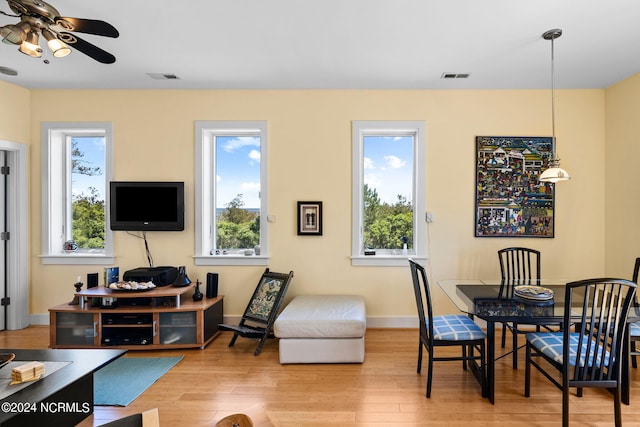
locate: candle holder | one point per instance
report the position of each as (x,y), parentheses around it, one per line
(76,298)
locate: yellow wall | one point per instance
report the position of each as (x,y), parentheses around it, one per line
(310,159)
(622,177)
(14,113)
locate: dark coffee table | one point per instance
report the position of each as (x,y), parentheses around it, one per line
(62,398)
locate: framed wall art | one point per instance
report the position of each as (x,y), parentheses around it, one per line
(309,218)
(510,199)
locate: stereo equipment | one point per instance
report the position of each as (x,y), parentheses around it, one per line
(127,319)
(160,276)
(212,285)
(129,340)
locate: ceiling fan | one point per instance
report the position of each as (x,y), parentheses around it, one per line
(38,17)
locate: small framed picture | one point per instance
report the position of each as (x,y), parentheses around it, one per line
(309,218)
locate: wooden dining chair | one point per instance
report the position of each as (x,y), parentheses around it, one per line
(447,330)
(518,265)
(634,328)
(592,354)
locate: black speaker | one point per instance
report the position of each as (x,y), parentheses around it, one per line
(212,285)
(92,280)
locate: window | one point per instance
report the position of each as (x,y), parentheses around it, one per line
(388,222)
(231,193)
(76,167)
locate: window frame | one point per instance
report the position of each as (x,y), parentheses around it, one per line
(205,170)
(360,129)
(56,173)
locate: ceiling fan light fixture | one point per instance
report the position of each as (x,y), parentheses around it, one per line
(59,49)
(38,16)
(12,34)
(30,46)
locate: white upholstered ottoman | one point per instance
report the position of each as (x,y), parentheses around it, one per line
(322,329)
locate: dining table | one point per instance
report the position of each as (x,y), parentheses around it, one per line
(494,301)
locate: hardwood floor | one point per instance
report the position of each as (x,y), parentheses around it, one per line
(383,391)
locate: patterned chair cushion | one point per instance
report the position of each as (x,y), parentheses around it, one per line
(455,327)
(550,344)
(634,329)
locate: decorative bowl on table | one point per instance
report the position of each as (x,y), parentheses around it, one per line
(538,293)
(5,358)
(131,286)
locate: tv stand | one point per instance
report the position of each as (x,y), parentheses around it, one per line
(162,318)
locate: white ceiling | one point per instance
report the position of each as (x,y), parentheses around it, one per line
(342,44)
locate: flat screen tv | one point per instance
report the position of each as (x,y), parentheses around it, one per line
(146,206)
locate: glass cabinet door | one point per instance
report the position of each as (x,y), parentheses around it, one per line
(76,329)
(178,328)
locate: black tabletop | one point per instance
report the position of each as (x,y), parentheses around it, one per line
(83,362)
(495,301)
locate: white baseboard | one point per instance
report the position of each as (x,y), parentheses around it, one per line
(39,319)
(381,322)
(392,322)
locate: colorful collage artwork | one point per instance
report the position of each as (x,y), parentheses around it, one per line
(510,200)
(264,298)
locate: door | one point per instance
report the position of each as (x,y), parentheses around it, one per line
(4,235)
(14,220)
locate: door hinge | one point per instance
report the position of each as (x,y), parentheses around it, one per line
(5,235)
(4,170)
(5,301)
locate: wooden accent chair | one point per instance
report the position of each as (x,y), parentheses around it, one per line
(148,418)
(447,330)
(262,310)
(235,420)
(590,356)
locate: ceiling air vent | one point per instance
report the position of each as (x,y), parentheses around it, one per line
(8,71)
(163,76)
(455,75)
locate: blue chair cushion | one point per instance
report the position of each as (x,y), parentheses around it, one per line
(634,329)
(455,327)
(550,344)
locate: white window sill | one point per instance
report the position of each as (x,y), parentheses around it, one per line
(80,259)
(384,260)
(232,260)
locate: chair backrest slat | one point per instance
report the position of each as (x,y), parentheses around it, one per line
(600,308)
(636,302)
(519,264)
(423,302)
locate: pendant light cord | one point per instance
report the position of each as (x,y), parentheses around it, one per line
(553,173)
(553,103)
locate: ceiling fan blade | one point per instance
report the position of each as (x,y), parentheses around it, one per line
(87,48)
(88,26)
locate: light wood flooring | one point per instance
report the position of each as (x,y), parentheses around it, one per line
(384,391)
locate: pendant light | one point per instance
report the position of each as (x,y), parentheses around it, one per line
(554,173)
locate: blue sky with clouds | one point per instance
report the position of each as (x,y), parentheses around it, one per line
(94,156)
(388,166)
(238,170)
